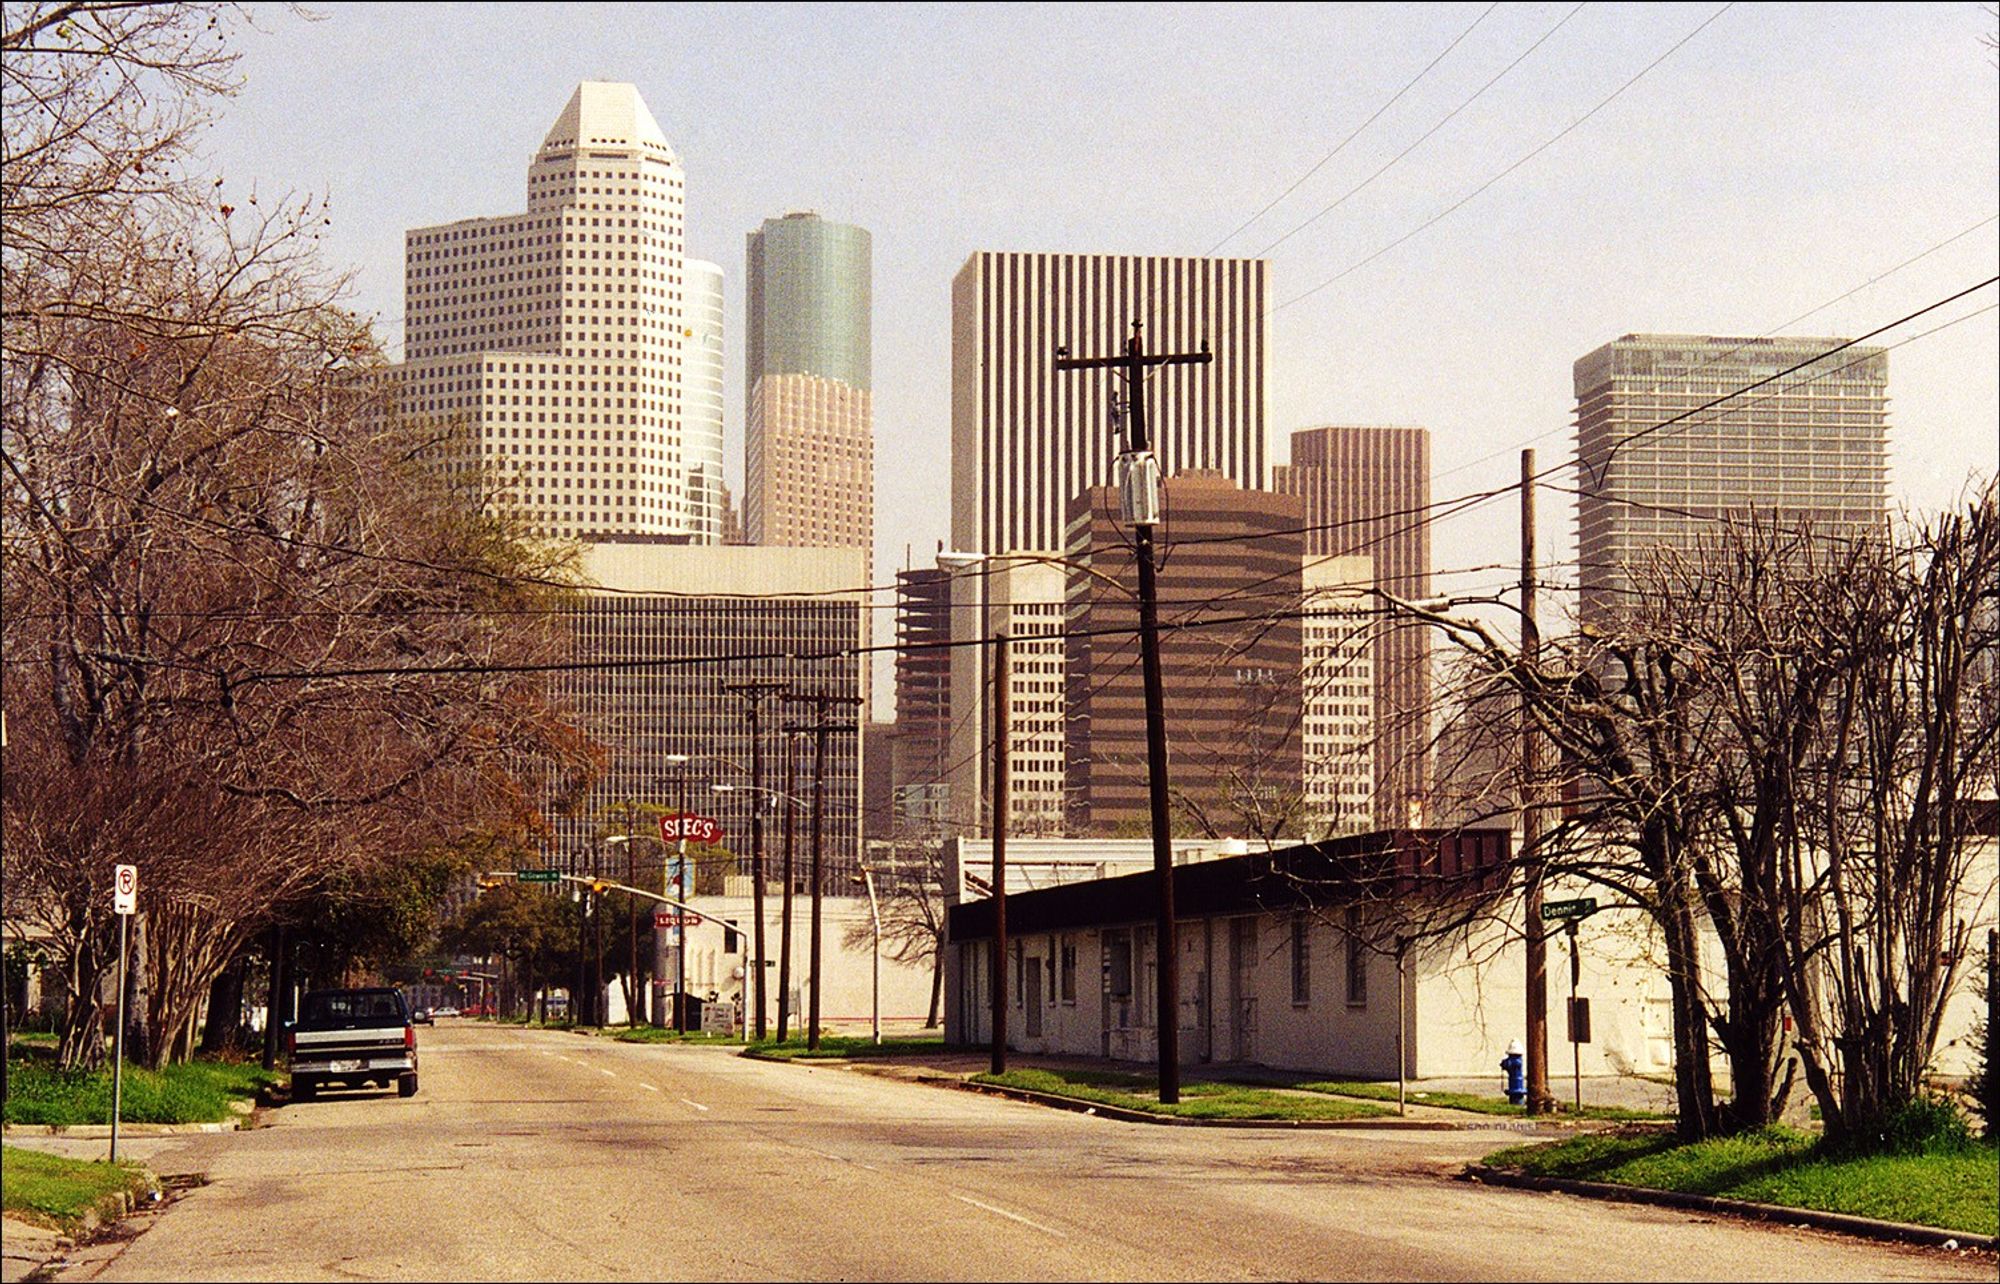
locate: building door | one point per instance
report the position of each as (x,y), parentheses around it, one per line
(1242,989)
(1031,998)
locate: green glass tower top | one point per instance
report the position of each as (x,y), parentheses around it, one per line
(810,300)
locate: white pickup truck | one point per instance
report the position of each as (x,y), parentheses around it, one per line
(353,1037)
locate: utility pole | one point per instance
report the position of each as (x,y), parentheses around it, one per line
(1002,801)
(791,879)
(1540,1099)
(753,693)
(1139,486)
(821,728)
(681,932)
(631,921)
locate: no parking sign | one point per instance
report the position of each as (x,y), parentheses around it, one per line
(125,890)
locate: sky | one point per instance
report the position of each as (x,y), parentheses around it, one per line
(1782,158)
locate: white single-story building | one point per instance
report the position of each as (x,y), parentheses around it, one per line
(1288,959)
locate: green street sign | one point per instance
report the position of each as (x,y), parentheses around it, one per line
(538,875)
(1581,907)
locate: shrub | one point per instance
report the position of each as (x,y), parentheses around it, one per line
(1926,1125)
(1985,1086)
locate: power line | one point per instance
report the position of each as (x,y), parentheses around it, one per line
(1426,135)
(1341,146)
(1469,196)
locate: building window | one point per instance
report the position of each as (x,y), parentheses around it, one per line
(1357,961)
(1301,960)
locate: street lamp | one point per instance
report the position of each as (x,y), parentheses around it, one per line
(867,880)
(680,761)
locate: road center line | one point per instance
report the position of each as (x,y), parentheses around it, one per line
(609,1074)
(649,1087)
(697,1105)
(1012,1217)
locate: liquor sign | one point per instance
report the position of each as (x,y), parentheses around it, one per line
(674,918)
(695,829)
(125,890)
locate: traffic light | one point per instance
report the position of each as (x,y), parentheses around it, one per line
(597,886)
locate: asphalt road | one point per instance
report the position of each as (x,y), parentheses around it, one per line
(543,1155)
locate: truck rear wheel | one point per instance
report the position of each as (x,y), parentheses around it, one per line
(406,1085)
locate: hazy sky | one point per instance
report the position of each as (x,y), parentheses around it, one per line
(1780,158)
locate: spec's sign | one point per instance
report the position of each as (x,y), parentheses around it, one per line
(696,829)
(1581,907)
(125,890)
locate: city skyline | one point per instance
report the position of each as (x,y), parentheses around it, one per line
(1643,218)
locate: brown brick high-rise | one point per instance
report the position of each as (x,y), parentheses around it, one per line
(1233,690)
(1367,491)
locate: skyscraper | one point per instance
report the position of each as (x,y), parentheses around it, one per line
(1026,440)
(1811,447)
(1367,490)
(549,345)
(702,376)
(809,449)
(1230,581)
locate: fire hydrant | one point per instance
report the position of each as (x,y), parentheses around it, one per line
(1515,1066)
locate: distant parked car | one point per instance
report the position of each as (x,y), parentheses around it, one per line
(422,1016)
(446,1011)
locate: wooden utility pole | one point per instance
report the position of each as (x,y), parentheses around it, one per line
(1540,1099)
(821,729)
(791,878)
(1139,484)
(753,693)
(1002,801)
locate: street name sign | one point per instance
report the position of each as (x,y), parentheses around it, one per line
(125,890)
(696,829)
(1581,907)
(538,875)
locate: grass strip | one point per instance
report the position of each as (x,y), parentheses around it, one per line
(1474,1102)
(39,1092)
(1952,1189)
(49,1190)
(1200,1099)
(842,1046)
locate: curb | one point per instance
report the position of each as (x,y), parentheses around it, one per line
(1125,1115)
(1846,1223)
(91,1132)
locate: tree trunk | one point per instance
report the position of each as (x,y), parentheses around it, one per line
(1694,1088)
(225,1008)
(937,989)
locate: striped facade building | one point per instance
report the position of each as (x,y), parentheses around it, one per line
(1026,440)
(1366,492)
(692,620)
(549,345)
(1811,447)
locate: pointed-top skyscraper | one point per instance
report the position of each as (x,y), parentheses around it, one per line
(551,345)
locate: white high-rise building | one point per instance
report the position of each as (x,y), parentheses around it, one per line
(1337,662)
(702,374)
(549,346)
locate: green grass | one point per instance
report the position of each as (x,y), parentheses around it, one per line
(848,1046)
(1954,1189)
(1200,1099)
(198,1092)
(1477,1104)
(49,1190)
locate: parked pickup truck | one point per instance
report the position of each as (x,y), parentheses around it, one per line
(353,1037)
